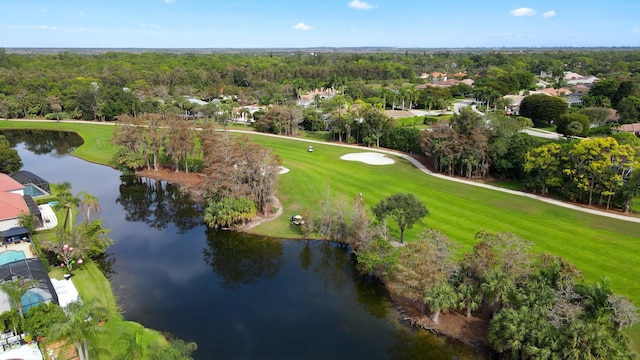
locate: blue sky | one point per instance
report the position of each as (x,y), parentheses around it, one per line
(315,23)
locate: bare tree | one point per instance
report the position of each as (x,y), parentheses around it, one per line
(181,142)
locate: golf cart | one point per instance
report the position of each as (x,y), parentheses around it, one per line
(297,220)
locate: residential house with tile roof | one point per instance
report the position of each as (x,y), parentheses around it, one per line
(12,203)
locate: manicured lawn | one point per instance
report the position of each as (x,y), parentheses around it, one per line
(512,185)
(97,146)
(596,245)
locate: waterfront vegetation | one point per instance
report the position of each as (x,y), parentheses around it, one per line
(92,285)
(596,245)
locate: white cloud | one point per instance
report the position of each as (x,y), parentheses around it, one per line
(169,1)
(47,27)
(522,12)
(302,26)
(636,30)
(550,14)
(361,5)
(44,10)
(354,30)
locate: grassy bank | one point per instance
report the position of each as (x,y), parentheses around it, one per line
(597,245)
(97,147)
(91,284)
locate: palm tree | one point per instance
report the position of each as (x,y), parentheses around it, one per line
(595,298)
(15,289)
(66,201)
(498,285)
(134,345)
(469,298)
(440,298)
(413,94)
(404,94)
(386,94)
(81,325)
(430,101)
(89,205)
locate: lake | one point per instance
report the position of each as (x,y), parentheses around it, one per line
(237,296)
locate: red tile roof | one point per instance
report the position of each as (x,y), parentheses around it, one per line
(8,184)
(633,128)
(12,206)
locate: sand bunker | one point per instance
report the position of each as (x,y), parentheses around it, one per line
(283,170)
(370,158)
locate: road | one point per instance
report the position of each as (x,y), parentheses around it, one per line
(543,133)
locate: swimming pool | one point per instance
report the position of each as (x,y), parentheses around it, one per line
(33,190)
(31,298)
(11,256)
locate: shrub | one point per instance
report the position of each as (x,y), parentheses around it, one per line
(543,109)
(599,130)
(430,120)
(573,124)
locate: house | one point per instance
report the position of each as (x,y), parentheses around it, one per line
(570,75)
(513,108)
(575,79)
(12,206)
(9,185)
(308,98)
(12,203)
(439,84)
(630,128)
(468,82)
(581,88)
(197,101)
(553,92)
(436,75)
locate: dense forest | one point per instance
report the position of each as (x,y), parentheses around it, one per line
(102,86)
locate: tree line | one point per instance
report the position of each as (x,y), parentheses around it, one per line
(240,176)
(602,170)
(102,86)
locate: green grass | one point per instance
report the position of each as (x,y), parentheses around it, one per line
(316,135)
(596,245)
(97,147)
(506,184)
(91,283)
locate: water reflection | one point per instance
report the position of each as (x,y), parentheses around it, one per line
(242,260)
(238,296)
(44,141)
(158,203)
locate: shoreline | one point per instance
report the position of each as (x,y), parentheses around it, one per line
(453,325)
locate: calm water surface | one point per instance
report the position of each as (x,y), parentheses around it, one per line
(237,296)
